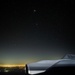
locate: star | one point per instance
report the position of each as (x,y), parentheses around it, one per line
(34,10)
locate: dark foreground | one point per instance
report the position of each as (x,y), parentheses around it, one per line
(67,70)
(12,73)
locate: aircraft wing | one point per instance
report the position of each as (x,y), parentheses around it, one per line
(42,66)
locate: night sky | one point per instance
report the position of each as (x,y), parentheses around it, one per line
(36,30)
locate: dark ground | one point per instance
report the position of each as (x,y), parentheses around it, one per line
(64,70)
(12,71)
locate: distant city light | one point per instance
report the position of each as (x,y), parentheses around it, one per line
(22,65)
(5,70)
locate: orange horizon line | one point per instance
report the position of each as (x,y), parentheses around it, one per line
(12,65)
